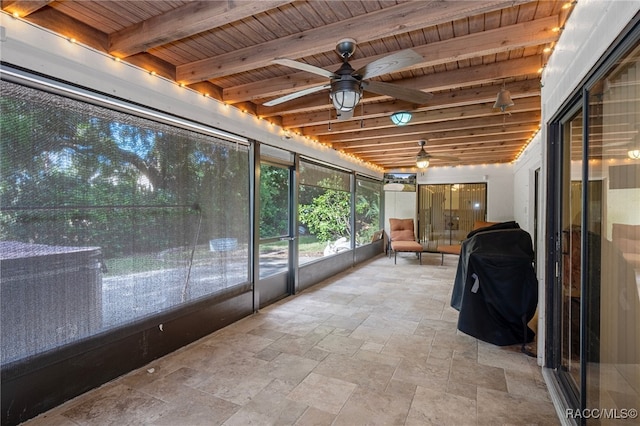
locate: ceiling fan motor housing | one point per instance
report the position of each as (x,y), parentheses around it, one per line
(346,47)
(346,90)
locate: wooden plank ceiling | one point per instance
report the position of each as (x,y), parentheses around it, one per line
(470,49)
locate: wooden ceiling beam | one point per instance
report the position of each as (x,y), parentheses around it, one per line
(451,137)
(422,130)
(423,117)
(409,162)
(185,21)
(462,97)
(475,75)
(48,17)
(481,149)
(497,132)
(507,151)
(383,147)
(371,26)
(450,150)
(153,63)
(23,8)
(507,154)
(504,39)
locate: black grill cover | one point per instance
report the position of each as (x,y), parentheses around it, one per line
(495,288)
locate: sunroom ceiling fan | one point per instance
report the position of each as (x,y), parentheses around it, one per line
(346,84)
(423,158)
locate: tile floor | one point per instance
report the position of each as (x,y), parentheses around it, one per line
(376,345)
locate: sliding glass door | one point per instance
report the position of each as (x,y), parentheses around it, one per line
(447,212)
(594,279)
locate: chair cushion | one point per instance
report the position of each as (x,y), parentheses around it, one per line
(401,229)
(406,246)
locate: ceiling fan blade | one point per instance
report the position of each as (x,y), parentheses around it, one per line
(389,64)
(443,157)
(304,67)
(399,92)
(295,95)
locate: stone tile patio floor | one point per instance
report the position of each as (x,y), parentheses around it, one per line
(376,345)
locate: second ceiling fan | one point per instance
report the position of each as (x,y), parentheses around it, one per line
(346,84)
(423,158)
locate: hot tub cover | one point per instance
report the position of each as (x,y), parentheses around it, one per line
(495,288)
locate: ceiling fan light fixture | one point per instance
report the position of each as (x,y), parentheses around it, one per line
(634,154)
(422,159)
(345,94)
(503,101)
(401,118)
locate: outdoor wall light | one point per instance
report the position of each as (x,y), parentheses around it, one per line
(401,118)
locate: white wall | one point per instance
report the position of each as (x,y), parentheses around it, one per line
(524,185)
(400,205)
(499,179)
(592,27)
(590,30)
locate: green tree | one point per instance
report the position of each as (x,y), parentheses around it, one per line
(367,217)
(74,174)
(328,215)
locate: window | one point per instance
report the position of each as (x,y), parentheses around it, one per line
(324,211)
(108,218)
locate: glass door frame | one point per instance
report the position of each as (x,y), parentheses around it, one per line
(269,289)
(573,393)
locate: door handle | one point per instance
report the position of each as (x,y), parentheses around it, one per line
(287,238)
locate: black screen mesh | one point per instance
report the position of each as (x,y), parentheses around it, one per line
(107,218)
